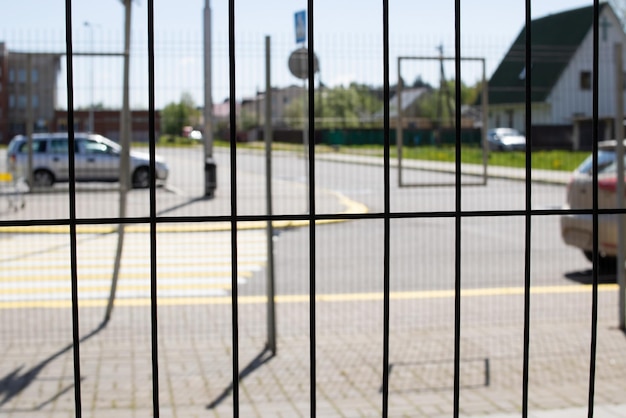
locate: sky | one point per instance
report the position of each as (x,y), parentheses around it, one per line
(348,41)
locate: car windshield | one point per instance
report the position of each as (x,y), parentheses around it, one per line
(508,132)
(116,147)
(605,158)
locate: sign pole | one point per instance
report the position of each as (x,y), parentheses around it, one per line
(271,303)
(300,27)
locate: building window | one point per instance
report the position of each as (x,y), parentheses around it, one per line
(34,76)
(12,101)
(21,101)
(21,75)
(11,76)
(585,80)
(35,101)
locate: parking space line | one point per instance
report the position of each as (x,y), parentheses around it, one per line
(303,298)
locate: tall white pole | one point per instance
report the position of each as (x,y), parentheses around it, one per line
(210,175)
(91,121)
(125,182)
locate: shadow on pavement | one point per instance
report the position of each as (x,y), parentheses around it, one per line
(182,205)
(16,381)
(263,357)
(586,277)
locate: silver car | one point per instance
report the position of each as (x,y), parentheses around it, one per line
(96,159)
(577,229)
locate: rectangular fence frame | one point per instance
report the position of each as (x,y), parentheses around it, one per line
(484,107)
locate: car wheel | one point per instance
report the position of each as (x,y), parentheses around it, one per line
(606,264)
(141,178)
(43,178)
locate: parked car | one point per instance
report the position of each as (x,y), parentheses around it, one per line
(96,159)
(505,139)
(577,229)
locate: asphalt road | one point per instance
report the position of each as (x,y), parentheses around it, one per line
(349,256)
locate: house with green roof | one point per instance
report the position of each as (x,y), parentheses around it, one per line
(561,66)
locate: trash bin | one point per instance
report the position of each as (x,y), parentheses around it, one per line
(210,177)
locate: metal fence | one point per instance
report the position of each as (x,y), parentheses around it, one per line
(418,302)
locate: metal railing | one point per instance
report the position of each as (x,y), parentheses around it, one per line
(387,215)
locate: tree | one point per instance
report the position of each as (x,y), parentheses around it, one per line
(428,106)
(344,107)
(175,116)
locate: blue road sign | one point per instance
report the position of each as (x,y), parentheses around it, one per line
(300,20)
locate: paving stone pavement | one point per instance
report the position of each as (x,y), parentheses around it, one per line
(195,369)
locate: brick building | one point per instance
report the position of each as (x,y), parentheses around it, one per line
(14,90)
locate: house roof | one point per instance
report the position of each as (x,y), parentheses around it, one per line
(408,97)
(554,40)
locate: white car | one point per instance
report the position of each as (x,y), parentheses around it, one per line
(577,229)
(505,139)
(96,159)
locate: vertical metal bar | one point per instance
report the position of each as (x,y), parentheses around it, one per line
(233,206)
(619,151)
(72,203)
(485,122)
(457,215)
(595,137)
(399,132)
(387,226)
(30,119)
(312,214)
(153,231)
(271,308)
(527,216)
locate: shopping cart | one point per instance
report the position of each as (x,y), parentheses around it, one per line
(13,187)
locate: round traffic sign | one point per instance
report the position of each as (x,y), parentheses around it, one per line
(299,63)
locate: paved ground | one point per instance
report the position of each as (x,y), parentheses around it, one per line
(195,358)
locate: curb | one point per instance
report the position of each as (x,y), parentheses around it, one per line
(350,207)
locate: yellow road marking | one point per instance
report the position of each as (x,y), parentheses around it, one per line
(329,298)
(86,265)
(350,207)
(146,275)
(120,288)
